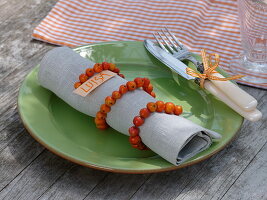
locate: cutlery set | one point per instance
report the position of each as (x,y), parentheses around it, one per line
(170,51)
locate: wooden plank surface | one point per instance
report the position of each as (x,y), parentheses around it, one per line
(28,171)
(254,175)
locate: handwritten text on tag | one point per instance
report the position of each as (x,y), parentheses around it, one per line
(94,82)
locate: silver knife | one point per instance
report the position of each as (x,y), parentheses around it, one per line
(180,68)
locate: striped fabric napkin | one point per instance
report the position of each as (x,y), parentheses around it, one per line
(210,24)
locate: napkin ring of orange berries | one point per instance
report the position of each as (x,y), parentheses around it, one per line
(144,83)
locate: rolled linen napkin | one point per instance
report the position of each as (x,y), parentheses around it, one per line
(174,138)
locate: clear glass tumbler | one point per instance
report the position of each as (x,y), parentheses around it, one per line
(253,27)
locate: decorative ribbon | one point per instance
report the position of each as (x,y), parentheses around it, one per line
(209,69)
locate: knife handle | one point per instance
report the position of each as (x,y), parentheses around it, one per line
(253,115)
(239,96)
(236,94)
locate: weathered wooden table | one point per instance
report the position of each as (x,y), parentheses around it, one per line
(28,171)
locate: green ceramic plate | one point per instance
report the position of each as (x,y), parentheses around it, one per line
(73,135)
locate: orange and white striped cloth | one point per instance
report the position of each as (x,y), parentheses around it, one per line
(209,24)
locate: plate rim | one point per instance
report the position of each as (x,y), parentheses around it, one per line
(110,169)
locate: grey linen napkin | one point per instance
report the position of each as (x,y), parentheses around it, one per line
(174,138)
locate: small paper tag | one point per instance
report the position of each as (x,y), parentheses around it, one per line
(94,82)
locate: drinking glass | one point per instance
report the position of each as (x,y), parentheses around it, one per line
(253,28)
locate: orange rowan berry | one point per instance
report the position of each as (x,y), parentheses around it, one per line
(105,65)
(102,126)
(77,84)
(135,140)
(123,89)
(138,121)
(146,82)
(110,101)
(116,95)
(169,107)
(133,131)
(101,115)
(116,70)
(149,88)
(100,121)
(151,106)
(160,106)
(131,85)
(89,72)
(144,112)
(121,75)
(135,146)
(178,110)
(153,94)
(83,78)
(98,68)
(112,66)
(139,82)
(104,108)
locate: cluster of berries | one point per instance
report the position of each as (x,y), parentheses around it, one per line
(144,83)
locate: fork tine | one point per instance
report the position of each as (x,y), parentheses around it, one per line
(166,43)
(160,44)
(174,46)
(176,40)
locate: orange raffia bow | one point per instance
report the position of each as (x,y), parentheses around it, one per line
(209,69)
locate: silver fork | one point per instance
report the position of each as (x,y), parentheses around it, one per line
(176,48)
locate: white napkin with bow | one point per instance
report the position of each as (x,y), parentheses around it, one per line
(174,138)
